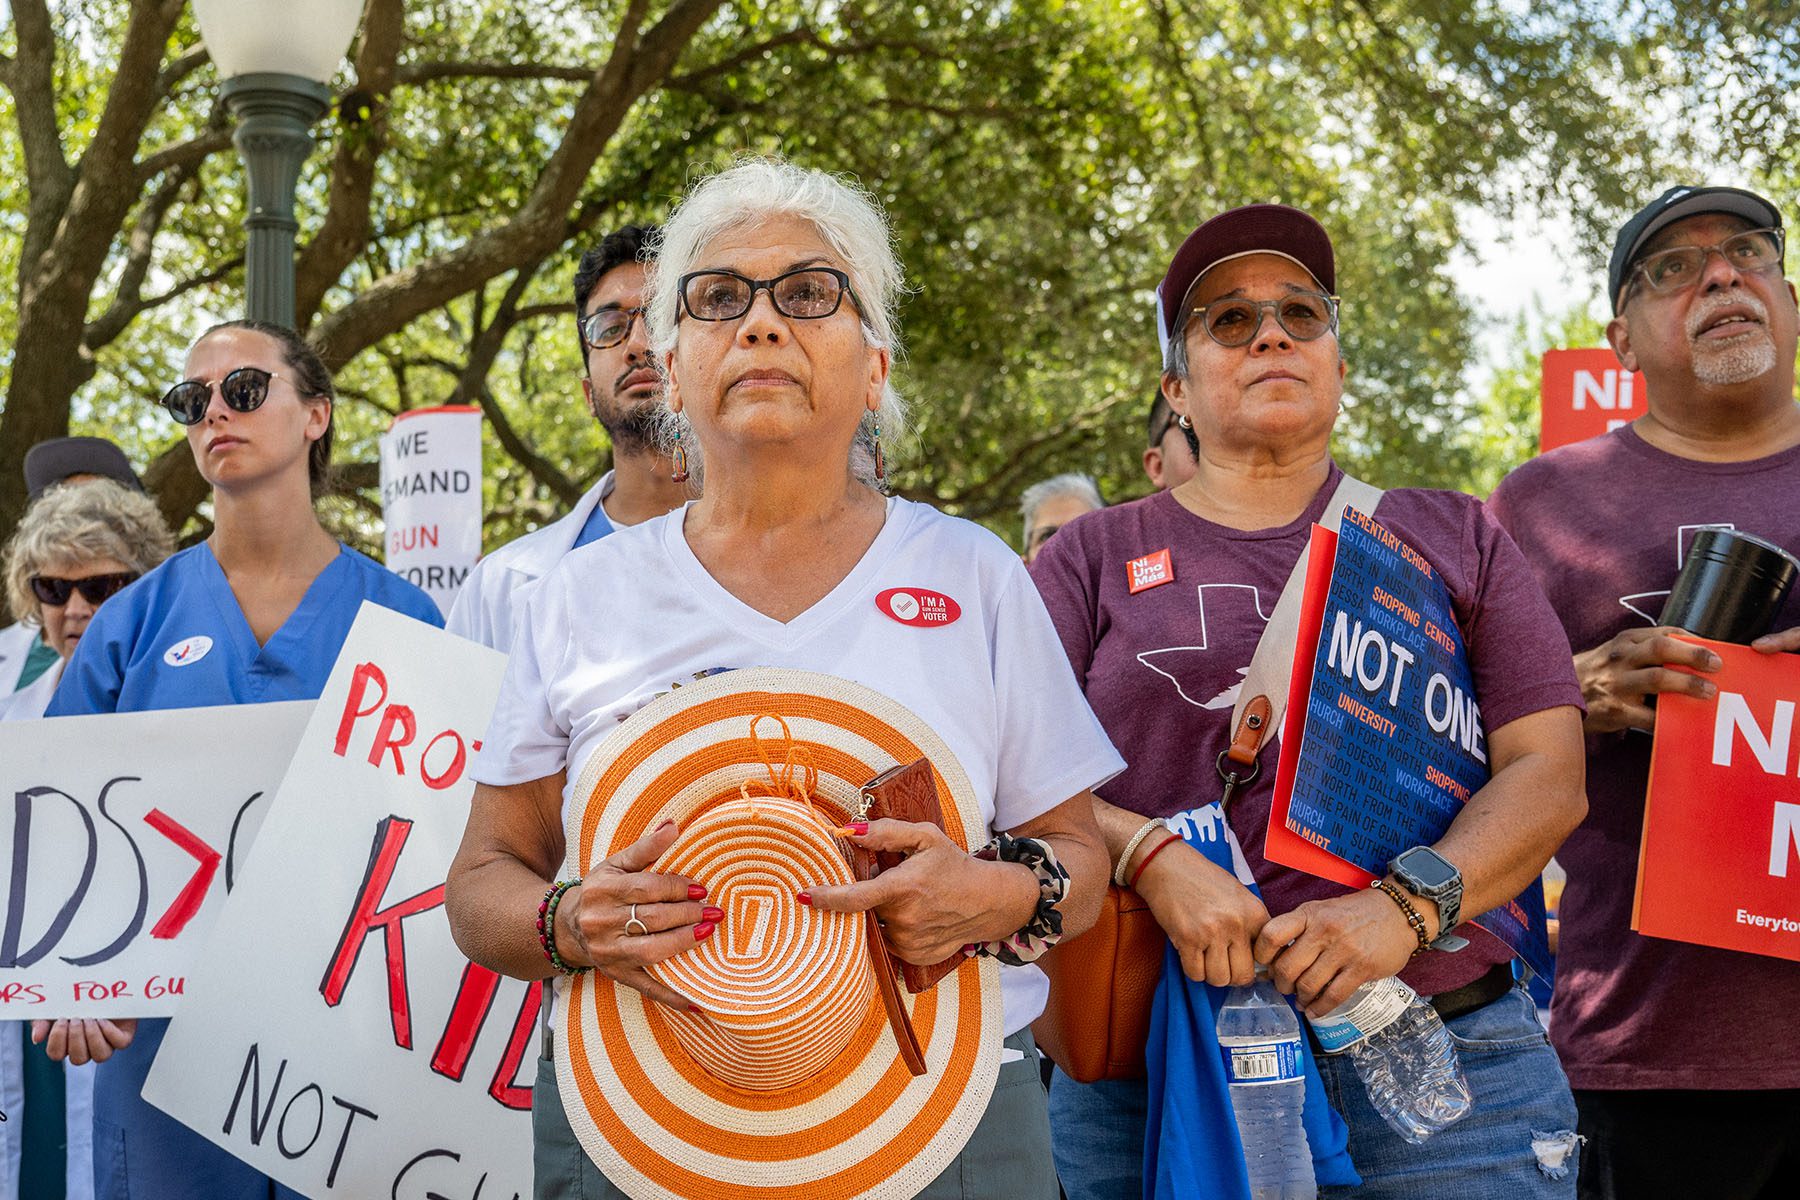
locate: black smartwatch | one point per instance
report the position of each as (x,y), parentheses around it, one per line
(1426,873)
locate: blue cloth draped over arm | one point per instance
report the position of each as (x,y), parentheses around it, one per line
(1191,1143)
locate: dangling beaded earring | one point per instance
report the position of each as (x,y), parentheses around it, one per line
(678,460)
(880,461)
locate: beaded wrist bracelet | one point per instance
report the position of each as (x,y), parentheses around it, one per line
(546,926)
(1044,929)
(1412,915)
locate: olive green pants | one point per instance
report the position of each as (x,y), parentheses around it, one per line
(1007,1158)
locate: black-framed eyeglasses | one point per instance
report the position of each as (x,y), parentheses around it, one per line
(1303,315)
(806,294)
(606,327)
(1678,268)
(94,589)
(243,390)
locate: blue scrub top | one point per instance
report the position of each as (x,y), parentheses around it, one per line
(594,528)
(177,639)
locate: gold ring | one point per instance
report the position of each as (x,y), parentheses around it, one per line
(642,928)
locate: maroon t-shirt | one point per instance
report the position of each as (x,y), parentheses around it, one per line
(1162,668)
(1605,524)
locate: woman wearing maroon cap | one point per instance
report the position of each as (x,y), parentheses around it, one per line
(1253,366)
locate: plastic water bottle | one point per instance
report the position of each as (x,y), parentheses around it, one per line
(1260,1039)
(1407,1062)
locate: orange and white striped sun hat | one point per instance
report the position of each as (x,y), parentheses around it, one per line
(790,1086)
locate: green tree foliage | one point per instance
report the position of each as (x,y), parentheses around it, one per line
(1504,432)
(1040,160)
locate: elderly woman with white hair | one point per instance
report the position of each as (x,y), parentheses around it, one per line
(78,545)
(770,304)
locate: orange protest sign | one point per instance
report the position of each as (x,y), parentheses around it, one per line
(1585,393)
(1720,860)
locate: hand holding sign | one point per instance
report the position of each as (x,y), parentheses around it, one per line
(1619,676)
(82,1041)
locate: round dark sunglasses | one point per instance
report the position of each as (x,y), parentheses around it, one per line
(243,390)
(94,589)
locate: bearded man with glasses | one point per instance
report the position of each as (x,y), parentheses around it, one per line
(1677,1098)
(623,391)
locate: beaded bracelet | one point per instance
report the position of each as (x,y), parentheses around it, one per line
(1412,915)
(1044,929)
(546,926)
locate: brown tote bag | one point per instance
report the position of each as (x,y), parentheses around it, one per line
(1097,1019)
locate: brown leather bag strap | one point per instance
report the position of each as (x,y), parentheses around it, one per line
(1263,697)
(899,1020)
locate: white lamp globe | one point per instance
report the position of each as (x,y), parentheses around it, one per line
(307,38)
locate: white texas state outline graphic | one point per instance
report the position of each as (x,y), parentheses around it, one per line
(1169,661)
(1648,605)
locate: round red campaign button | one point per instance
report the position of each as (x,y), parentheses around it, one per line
(918,606)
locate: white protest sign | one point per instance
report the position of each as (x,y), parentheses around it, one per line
(431,497)
(124,833)
(333,1036)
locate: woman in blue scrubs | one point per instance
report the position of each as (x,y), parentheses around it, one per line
(255,613)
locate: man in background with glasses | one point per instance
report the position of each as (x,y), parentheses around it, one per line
(622,387)
(1681,1056)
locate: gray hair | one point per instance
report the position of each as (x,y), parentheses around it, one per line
(79,523)
(850,221)
(1073,484)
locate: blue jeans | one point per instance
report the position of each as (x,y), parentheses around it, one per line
(1518,1141)
(142,1153)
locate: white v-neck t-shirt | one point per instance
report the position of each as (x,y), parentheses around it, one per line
(625,619)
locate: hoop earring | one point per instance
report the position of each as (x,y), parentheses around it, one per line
(1184,422)
(678,460)
(880,460)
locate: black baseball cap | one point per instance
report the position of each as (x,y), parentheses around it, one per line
(1672,206)
(57,459)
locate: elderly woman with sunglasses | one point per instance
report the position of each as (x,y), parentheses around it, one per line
(254,613)
(771,306)
(1161,604)
(78,545)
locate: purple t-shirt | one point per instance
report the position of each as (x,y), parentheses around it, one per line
(1605,524)
(1162,668)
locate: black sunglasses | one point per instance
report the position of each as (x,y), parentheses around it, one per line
(807,294)
(608,327)
(94,589)
(243,390)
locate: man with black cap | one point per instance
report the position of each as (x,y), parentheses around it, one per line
(1682,1057)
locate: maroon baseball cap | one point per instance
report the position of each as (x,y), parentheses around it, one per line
(1252,229)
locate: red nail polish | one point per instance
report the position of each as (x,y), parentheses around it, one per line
(695,1009)
(859,828)
(803,898)
(696,892)
(703,930)
(715,915)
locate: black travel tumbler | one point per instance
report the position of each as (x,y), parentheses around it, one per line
(1731,588)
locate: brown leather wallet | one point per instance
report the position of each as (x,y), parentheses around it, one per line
(904,793)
